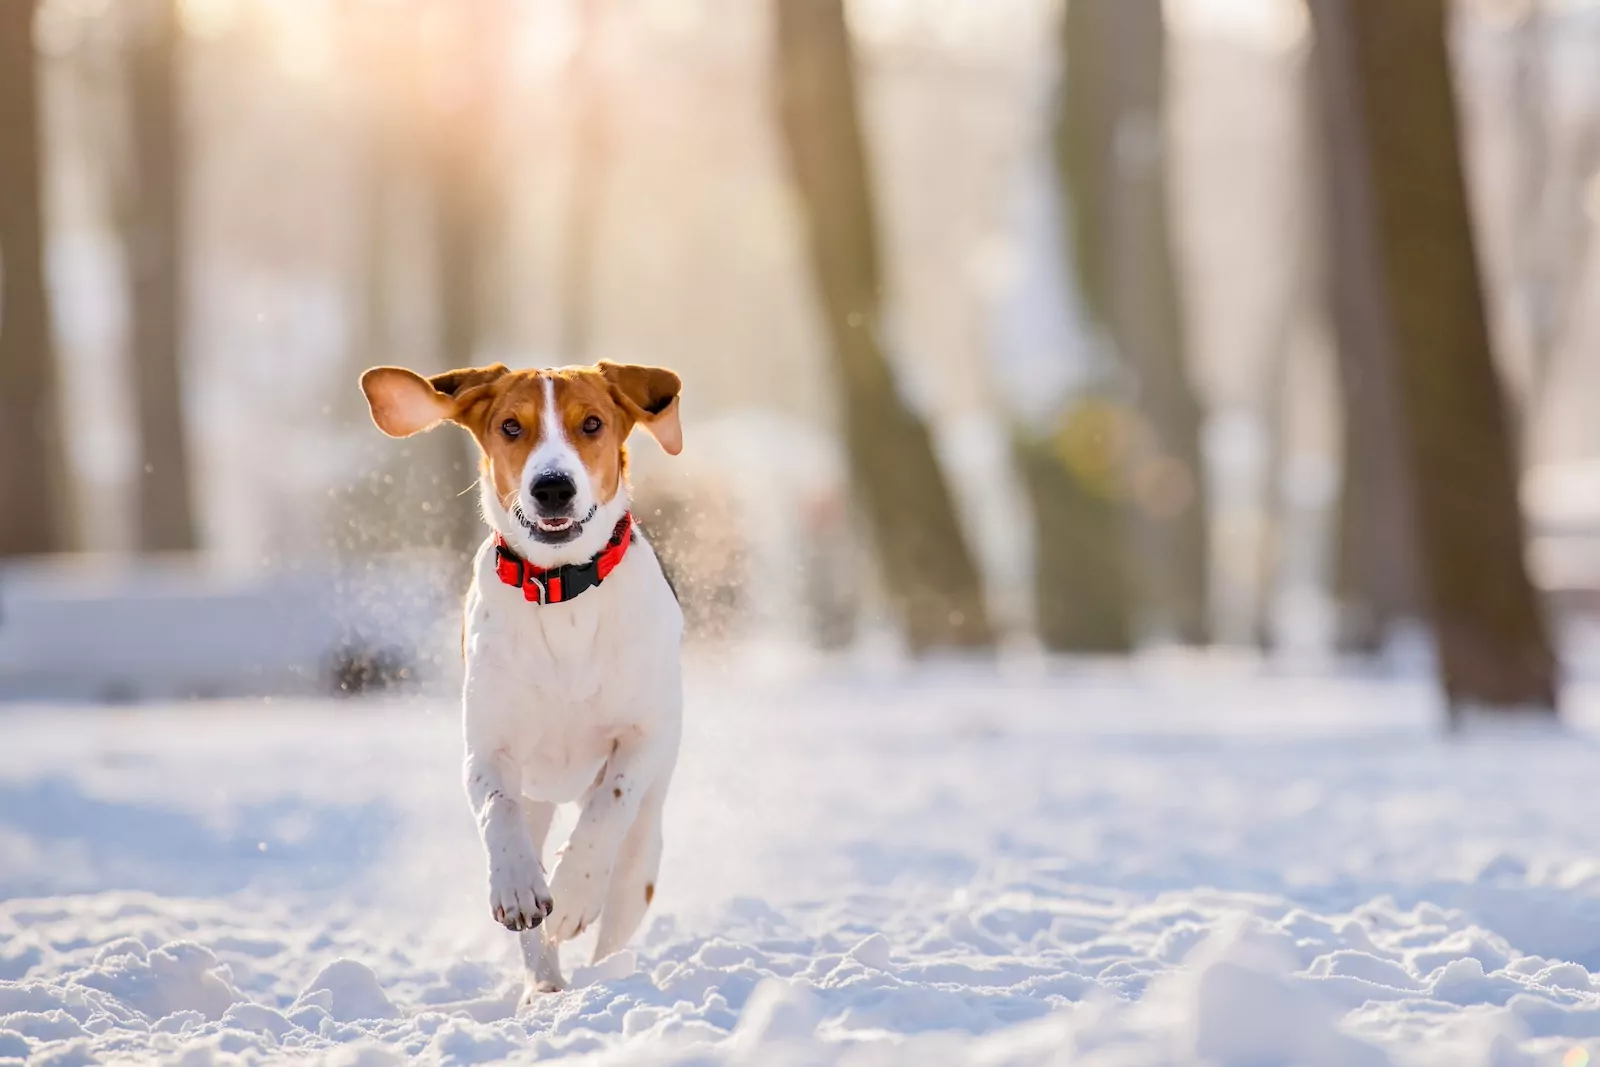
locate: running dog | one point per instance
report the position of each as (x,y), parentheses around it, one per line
(572,640)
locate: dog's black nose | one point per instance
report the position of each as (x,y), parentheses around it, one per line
(553,491)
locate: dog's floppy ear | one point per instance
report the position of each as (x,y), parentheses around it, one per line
(455,383)
(403,402)
(650,396)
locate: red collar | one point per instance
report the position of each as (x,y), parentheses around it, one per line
(556,585)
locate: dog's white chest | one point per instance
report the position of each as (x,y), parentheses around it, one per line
(557,686)
(553,651)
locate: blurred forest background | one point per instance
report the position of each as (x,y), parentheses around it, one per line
(1083,328)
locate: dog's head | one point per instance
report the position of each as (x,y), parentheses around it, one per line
(554,442)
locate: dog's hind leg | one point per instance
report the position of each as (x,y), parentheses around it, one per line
(541,956)
(633,879)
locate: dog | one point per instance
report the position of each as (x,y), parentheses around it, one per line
(572,641)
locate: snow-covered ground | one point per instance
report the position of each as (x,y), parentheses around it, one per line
(1172,863)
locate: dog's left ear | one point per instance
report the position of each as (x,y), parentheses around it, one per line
(650,396)
(403,402)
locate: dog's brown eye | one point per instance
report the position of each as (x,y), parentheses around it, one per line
(592,425)
(511,428)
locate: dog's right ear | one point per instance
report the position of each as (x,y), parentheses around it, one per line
(403,402)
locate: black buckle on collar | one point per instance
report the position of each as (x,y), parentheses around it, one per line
(579,577)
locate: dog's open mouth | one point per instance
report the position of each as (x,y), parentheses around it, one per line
(552,530)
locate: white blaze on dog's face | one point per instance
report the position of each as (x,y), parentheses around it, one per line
(554,442)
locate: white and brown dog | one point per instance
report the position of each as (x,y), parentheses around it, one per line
(573,681)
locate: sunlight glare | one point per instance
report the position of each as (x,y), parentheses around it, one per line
(207,19)
(1276,25)
(878,22)
(301,37)
(87,9)
(679,17)
(546,37)
(954,25)
(59,26)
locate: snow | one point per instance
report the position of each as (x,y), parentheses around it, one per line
(1174,862)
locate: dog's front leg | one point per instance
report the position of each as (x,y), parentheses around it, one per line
(583,873)
(518,894)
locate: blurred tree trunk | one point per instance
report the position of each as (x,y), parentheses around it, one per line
(931,578)
(1147,317)
(586,176)
(33,468)
(1375,578)
(1112,144)
(1494,650)
(465,213)
(1083,600)
(154,250)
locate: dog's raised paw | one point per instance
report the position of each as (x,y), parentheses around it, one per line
(526,912)
(518,896)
